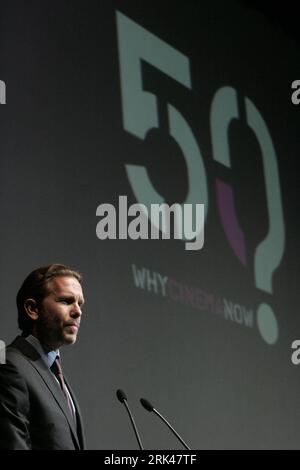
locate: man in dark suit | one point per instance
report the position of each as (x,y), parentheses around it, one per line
(38,409)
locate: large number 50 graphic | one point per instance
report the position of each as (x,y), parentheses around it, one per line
(140,114)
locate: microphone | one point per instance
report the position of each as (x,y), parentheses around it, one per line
(149,407)
(123,399)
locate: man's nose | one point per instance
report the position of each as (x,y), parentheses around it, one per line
(76,311)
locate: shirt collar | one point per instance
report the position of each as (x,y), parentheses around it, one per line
(48,357)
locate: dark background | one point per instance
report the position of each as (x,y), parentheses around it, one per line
(63,152)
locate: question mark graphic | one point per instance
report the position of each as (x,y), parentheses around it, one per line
(269,252)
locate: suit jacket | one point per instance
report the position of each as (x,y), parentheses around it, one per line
(33,410)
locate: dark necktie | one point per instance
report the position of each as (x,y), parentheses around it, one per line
(57,370)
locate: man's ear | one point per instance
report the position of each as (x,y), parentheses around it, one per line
(31,308)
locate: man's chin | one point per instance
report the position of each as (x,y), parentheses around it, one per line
(70,338)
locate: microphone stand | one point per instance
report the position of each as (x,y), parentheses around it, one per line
(121,395)
(172,429)
(133,425)
(149,407)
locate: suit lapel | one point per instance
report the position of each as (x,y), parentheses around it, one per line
(80,433)
(56,391)
(39,365)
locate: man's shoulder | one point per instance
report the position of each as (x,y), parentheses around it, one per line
(17,369)
(19,353)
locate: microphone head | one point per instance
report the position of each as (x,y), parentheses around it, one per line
(121,396)
(146,404)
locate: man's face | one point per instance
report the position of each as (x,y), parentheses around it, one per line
(60,313)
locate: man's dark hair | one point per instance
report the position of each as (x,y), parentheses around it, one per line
(35,287)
